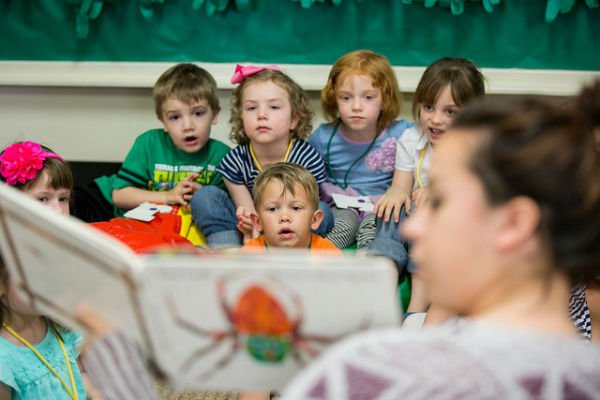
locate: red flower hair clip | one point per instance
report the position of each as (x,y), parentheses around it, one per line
(20,162)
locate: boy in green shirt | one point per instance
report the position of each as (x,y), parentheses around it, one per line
(169,165)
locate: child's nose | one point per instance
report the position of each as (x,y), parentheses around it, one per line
(356,103)
(188,123)
(284,217)
(437,117)
(262,113)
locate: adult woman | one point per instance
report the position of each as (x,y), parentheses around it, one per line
(513,219)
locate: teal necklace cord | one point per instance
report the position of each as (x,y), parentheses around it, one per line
(344,185)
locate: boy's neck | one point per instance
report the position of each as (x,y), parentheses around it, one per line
(272,152)
(32,328)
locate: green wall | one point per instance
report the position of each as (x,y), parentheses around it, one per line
(515,34)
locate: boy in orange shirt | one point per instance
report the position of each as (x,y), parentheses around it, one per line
(286,199)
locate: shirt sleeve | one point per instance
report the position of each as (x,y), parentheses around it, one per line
(133,170)
(231,166)
(117,369)
(306,155)
(405,150)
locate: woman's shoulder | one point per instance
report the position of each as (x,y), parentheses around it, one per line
(479,356)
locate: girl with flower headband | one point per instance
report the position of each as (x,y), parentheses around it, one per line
(270,120)
(38,359)
(38,171)
(361,101)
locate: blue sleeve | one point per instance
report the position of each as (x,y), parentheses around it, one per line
(232,166)
(7,378)
(317,139)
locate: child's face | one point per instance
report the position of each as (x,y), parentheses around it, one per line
(359,105)
(11,301)
(436,118)
(455,237)
(267,113)
(57,199)
(286,220)
(188,125)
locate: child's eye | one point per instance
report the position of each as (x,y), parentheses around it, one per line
(271,209)
(64,199)
(173,117)
(427,107)
(435,202)
(43,199)
(199,113)
(297,208)
(275,107)
(344,98)
(250,108)
(452,112)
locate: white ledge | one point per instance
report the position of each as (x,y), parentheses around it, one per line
(310,77)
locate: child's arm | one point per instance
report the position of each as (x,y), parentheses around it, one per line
(418,298)
(5,392)
(131,197)
(395,197)
(244,207)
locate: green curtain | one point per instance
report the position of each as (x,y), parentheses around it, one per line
(515,34)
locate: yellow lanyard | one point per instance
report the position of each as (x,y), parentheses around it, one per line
(73,392)
(285,158)
(419,167)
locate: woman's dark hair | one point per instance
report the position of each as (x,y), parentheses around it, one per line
(533,148)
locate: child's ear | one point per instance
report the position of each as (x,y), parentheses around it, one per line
(294,122)
(256,221)
(316,219)
(216,112)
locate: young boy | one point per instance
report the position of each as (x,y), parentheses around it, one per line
(286,199)
(169,165)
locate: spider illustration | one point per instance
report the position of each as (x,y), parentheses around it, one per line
(258,323)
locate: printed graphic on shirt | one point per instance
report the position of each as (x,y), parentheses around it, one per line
(168,176)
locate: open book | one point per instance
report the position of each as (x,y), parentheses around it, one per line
(213,321)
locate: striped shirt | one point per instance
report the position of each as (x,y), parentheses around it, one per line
(238,167)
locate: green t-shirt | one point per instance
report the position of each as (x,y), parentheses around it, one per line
(154,163)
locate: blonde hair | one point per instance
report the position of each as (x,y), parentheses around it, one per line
(375,66)
(298,103)
(289,175)
(185,82)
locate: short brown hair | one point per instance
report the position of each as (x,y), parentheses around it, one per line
(298,103)
(187,83)
(378,68)
(289,175)
(465,80)
(533,148)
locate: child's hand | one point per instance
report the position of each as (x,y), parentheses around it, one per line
(191,178)
(245,224)
(420,197)
(391,202)
(182,192)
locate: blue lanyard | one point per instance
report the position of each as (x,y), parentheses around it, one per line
(344,185)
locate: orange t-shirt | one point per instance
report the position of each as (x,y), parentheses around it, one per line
(317,242)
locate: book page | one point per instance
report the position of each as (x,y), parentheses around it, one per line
(56,262)
(250,322)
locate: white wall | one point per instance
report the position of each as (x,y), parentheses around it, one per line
(94,111)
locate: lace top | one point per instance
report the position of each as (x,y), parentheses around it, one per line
(453,361)
(29,378)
